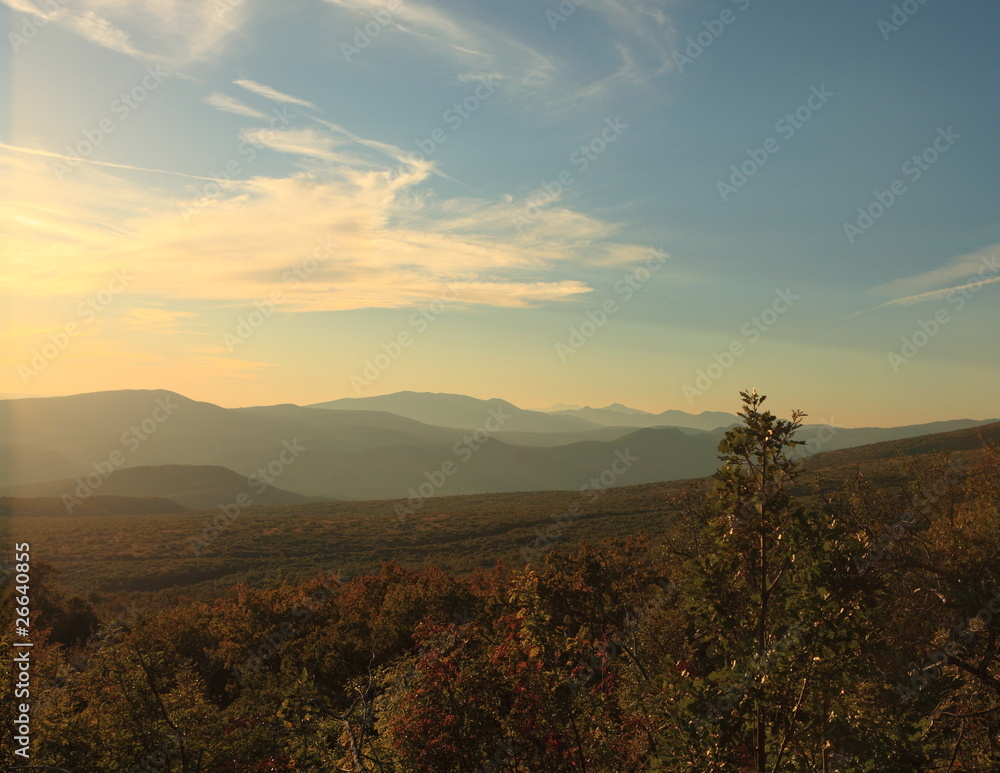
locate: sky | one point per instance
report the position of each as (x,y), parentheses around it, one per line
(581,202)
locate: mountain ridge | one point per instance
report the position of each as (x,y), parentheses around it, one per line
(360,454)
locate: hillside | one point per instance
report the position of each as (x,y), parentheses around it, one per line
(149,428)
(193,486)
(660,454)
(97,505)
(960,440)
(110,554)
(29,463)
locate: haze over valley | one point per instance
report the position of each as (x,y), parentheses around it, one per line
(386,447)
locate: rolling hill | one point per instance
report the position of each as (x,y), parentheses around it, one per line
(131,428)
(954,441)
(342,454)
(110,553)
(659,454)
(193,486)
(20,507)
(30,463)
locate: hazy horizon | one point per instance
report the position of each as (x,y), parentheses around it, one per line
(810,418)
(649,203)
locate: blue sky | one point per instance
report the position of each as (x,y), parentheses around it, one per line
(535,201)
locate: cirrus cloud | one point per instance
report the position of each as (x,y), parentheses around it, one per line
(396,242)
(960,272)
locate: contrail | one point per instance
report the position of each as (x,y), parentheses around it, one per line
(50,154)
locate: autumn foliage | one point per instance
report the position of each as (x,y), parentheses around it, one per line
(752,633)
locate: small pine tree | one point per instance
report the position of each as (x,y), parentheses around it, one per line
(777,622)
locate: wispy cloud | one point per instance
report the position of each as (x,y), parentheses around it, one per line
(639,32)
(397,242)
(958,273)
(934,295)
(232,105)
(24,6)
(409,164)
(168,31)
(310,143)
(102,32)
(74,161)
(273,94)
(643,35)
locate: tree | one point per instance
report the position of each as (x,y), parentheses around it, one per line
(777,650)
(752,485)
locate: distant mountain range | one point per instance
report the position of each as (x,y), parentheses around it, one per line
(462,412)
(407,445)
(618,415)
